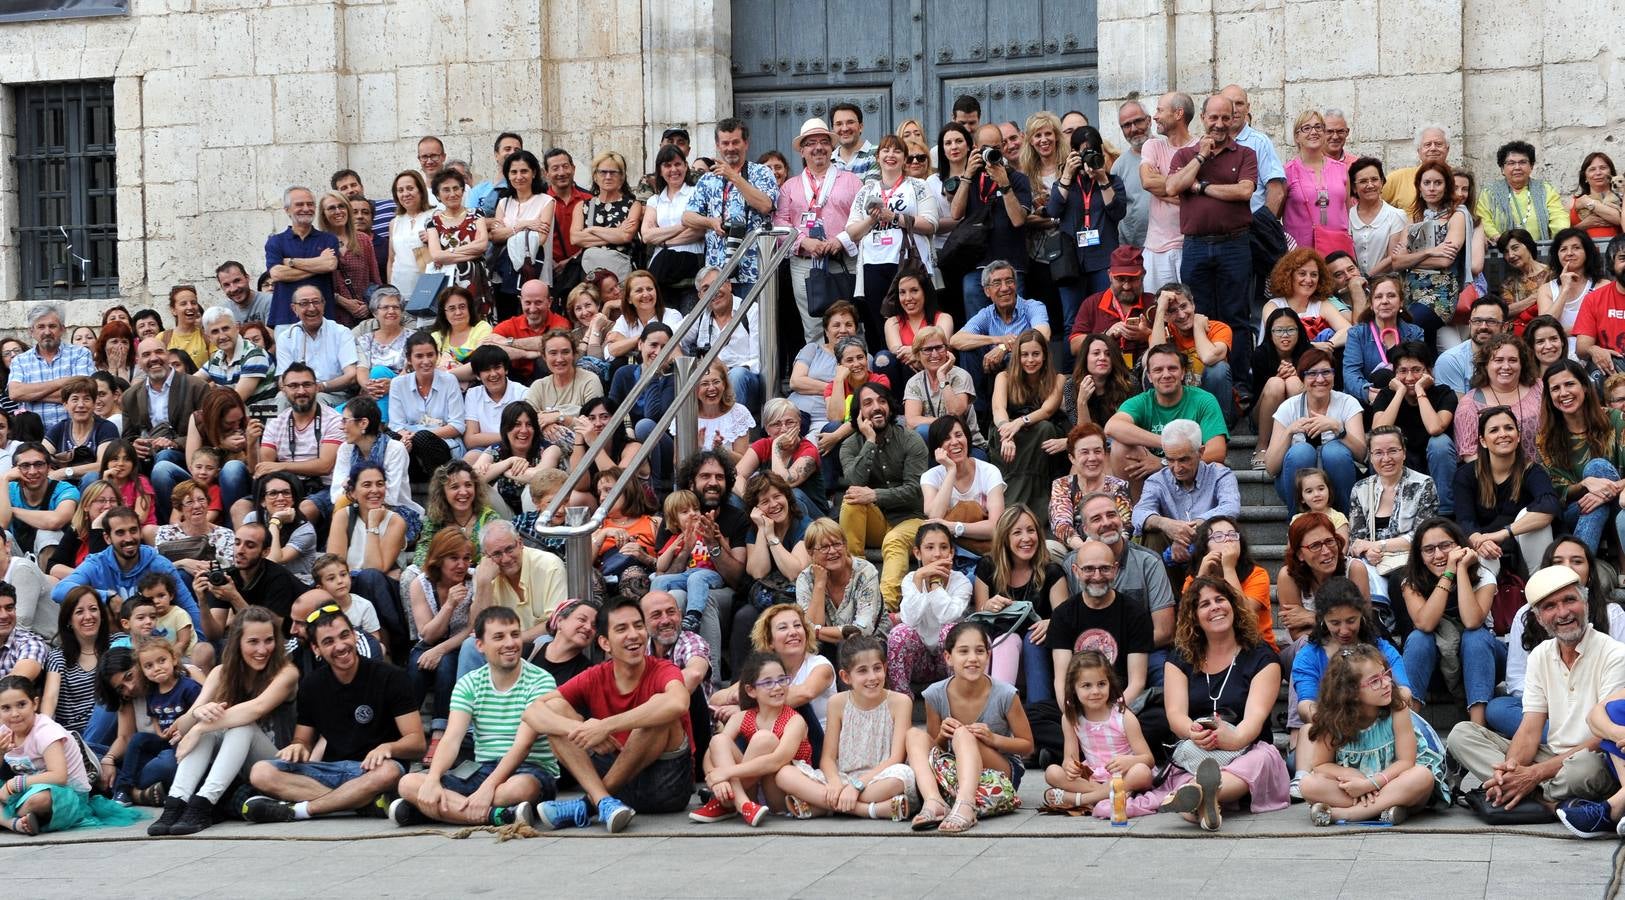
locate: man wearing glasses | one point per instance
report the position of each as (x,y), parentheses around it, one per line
(987,343)
(524,579)
(300,256)
(324,345)
(1135,123)
(1093,619)
(816,204)
(1183,494)
(1454,367)
(39,508)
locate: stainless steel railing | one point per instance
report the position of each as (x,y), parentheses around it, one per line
(775,245)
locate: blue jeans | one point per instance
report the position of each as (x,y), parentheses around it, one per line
(1588,526)
(1478,657)
(1038,670)
(102,728)
(1334,457)
(697,582)
(1442,463)
(235,484)
(441,679)
(329,775)
(976,298)
(747,385)
(1504,714)
(1072,297)
(168,470)
(971,362)
(660,457)
(1218,273)
(148,760)
(1217,380)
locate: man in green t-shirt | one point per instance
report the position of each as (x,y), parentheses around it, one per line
(1136,427)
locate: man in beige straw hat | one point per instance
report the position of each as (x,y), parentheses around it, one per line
(1567,676)
(816,204)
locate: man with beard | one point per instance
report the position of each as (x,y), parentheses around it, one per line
(363,709)
(321,343)
(735,193)
(1599,329)
(253,581)
(1141,578)
(1093,619)
(513,768)
(1487,318)
(816,204)
(710,475)
(883,464)
(303,440)
(1135,124)
(1552,759)
(245,303)
(39,374)
(621,728)
(688,652)
(117,571)
(1350,289)
(157,415)
(300,256)
(1119,311)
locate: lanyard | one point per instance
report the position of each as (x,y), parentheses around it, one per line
(1088,199)
(886,193)
(817,194)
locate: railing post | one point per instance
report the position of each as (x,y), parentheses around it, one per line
(688,413)
(767,324)
(577,556)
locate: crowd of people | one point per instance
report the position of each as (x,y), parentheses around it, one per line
(286,557)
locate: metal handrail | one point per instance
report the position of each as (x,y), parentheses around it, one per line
(578,551)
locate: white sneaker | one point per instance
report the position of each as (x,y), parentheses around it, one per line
(1296,790)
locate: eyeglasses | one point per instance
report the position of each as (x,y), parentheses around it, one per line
(1096,570)
(913,158)
(1388,453)
(507,551)
(1337,132)
(1223,537)
(608,172)
(831,548)
(1322,545)
(329,608)
(1313,129)
(934,348)
(1140,122)
(278,492)
(1481,320)
(1386,676)
(307,302)
(1000,282)
(767,684)
(40,464)
(1318,373)
(1444,546)
(425,157)
(1283,332)
(389,307)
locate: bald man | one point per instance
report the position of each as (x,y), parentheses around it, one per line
(1271,188)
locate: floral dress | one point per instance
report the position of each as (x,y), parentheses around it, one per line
(469,273)
(1436,289)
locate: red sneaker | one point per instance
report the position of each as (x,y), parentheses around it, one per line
(714,810)
(752,813)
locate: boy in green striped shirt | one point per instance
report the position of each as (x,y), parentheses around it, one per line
(492,700)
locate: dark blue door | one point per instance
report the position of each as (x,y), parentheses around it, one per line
(902,59)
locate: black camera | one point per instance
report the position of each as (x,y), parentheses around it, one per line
(991,156)
(217,574)
(1093,159)
(734,232)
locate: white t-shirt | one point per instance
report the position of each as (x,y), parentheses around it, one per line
(622,328)
(1372,239)
(820,703)
(986,481)
(478,406)
(1571,309)
(883,246)
(1342,408)
(362,615)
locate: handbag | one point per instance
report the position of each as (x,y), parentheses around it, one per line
(967,243)
(1010,620)
(1527,812)
(1331,240)
(424,302)
(187,548)
(1508,601)
(825,288)
(1395,560)
(771,591)
(1052,249)
(1188,756)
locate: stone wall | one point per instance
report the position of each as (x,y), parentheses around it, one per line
(1489,70)
(221,104)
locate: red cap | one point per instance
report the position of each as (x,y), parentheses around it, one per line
(1126,261)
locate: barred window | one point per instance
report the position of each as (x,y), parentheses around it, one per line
(67,190)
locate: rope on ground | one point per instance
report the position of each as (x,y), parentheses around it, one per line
(1617,876)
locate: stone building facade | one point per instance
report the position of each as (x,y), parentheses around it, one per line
(220,104)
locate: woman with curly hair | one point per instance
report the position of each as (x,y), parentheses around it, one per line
(1302,283)
(115,350)
(457,499)
(1219,689)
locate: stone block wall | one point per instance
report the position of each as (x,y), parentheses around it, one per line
(222,104)
(1488,70)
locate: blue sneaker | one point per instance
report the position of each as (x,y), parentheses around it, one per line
(615,815)
(556,814)
(1586,818)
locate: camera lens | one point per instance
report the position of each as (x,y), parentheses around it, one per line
(992,156)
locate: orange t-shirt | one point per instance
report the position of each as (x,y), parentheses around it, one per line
(1217,332)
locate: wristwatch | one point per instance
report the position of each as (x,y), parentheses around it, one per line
(1201,188)
(959,529)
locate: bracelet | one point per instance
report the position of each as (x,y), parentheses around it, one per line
(1373,781)
(1448,573)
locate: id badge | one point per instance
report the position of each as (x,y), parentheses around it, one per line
(1089,237)
(807,219)
(885,239)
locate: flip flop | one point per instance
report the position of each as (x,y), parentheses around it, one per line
(926,820)
(1208,776)
(26,825)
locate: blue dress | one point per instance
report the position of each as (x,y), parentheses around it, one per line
(1372,750)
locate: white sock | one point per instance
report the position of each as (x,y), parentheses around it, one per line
(301,811)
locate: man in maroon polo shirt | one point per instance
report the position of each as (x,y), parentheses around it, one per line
(1119,312)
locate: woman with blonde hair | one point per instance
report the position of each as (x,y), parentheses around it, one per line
(1316,211)
(357,273)
(605,226)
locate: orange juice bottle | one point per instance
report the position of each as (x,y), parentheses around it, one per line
(1119,798)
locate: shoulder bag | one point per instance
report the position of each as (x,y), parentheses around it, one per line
(1391,562)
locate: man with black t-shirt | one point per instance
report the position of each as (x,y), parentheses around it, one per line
(255,581)
(1424,411)
(363,708)
(1094,620)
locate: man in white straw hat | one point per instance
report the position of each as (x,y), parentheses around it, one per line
(1567,676)
(816,204)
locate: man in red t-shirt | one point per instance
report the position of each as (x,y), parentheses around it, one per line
(521,336)
(1599,329)
(634,748)
(1119,311)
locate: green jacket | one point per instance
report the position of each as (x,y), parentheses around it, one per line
(892,465)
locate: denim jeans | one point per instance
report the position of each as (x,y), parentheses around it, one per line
(697,582)
(976,298)
(1334,457)
(148,760)
(1038,670)
(1218,273)
(1504,714)
(1217,380)
(660,458)
(441,679)
(1471,655)
(168,470)
(1442,462)
(747,385)
(971,362)
(1588,527)
(235,483)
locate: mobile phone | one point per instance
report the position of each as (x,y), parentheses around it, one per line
(1208,722)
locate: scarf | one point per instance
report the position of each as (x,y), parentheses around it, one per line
(1501,204)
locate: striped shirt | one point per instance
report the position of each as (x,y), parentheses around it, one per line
(31,368)
(496,714)
(77,695)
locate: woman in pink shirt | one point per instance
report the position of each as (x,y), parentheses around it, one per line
(1317,187)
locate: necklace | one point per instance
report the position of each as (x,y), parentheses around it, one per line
(1211,694)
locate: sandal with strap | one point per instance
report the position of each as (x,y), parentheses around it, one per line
(931,814)
(1056,798)
(956,823)
(26,825)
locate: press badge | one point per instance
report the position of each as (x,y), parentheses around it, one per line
(885,239)
(1089,237)
(807,219)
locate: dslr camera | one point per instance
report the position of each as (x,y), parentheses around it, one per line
(991,156)
(217,574)
(734,231)
(1093,159)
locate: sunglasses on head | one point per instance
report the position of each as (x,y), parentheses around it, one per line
(329,608)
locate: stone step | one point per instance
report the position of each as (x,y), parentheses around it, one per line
(1256,486)
(1263,523)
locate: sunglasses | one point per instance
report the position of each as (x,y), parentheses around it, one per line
(917,158)
(320,611)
